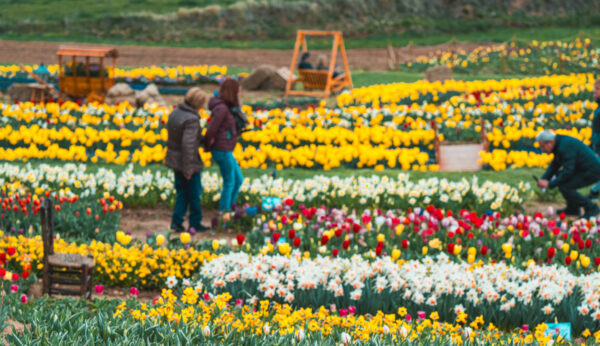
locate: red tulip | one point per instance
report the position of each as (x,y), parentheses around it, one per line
(450,234)
(24,299)
(25,274)
(324,239)
(15,277)
(356,228)
(2,258)
(562,216)
(289,202)
(378,251)
(551,252)
(276,237)
(556,230)
(568,260)
(596,261)
(484,250)
(291,234)
(2,272)
(588,243)
(450,247)
(581,244)
(338,232)
(346,244)
(405,243)
(335,252)
(240,239)
(11,251)
(297,242)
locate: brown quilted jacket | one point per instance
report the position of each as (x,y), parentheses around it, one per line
(185,136)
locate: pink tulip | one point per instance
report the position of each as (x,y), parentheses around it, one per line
(343,312)
(24,299)
(351,310)
(421,315)
(408,318)
(14,288)
(99,289)
(134,292)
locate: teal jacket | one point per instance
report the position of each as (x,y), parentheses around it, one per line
(596,131)
(574,157)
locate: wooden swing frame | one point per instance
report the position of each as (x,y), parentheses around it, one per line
(319,79)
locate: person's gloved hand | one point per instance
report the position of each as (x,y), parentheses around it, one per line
(543,183)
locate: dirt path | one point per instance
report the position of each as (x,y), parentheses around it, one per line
(373,59)
(140,222)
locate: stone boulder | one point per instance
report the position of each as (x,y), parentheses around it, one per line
(120,93)
(438,73)
(149,95)
(257,78)
(266,77)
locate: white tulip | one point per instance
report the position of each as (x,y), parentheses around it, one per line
(345,338)
(300,335)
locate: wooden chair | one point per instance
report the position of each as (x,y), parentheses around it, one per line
(322,80)
(67,274)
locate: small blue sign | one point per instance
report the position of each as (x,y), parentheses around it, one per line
(562,329)
(280,241)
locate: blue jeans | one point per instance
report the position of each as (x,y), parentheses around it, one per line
(188,194)
(232,177)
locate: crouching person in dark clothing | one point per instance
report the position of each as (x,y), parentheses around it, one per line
(185,136)
(580,168)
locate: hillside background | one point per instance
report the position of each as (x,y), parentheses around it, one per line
(187,22)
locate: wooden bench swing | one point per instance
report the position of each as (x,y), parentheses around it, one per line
(322,80)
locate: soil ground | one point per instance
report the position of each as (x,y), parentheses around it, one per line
(141,221)
(373,59)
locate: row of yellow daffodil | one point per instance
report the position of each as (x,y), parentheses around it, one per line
(138,265)
(532,58)
(524,88)
(220,317)
(150,73)
(499,159)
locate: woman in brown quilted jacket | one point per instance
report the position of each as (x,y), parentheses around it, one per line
(185,136)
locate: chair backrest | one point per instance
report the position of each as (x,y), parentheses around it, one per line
(47,227)
(313,79)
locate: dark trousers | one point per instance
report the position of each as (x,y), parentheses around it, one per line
(574,199)
(188,194)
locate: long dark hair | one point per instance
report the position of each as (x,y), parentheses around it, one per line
(228,92)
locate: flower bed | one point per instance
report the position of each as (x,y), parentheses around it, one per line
(170,75)
(573,56)
(74,217)
(149,188)
(360,133)
(465,236)
(121,264)
(191,319)
(508,297)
